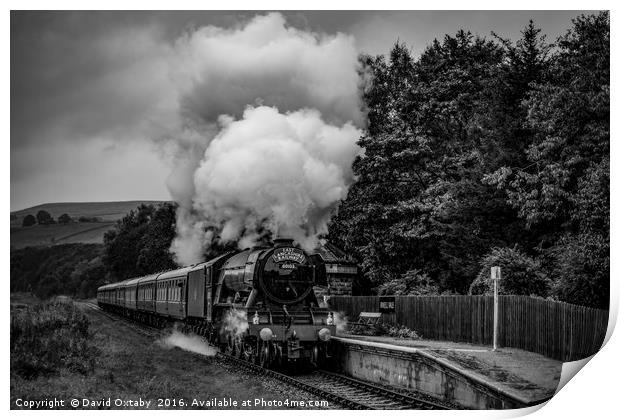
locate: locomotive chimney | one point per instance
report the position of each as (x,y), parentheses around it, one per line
(281,242)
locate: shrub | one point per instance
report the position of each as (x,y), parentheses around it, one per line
(29,220)
(385,329)
(49,337)
(64,219)
(44,218)
(521,274)
(85,219)
(581,270)
(413,282)
(397,331)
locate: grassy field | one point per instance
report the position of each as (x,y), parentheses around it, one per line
(125,364)
(88,233)
(106,211)
(83,232)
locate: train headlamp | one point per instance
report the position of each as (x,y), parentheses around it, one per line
(266,334)
(324,334)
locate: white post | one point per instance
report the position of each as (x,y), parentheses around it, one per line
(496,275)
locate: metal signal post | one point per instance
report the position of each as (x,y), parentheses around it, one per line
(496,275)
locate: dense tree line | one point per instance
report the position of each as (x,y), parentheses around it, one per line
(484,151)
(70,269)
(137,245)
(140,242)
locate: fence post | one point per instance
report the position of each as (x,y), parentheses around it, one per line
(496,274)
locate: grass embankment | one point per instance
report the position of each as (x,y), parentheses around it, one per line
(49,339)
(64,351)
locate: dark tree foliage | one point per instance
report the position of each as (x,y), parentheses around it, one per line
(44,218)
(481,145)
(71,269)
(64,219)
(140,242)
(564,189)
(29,220)
(521,274)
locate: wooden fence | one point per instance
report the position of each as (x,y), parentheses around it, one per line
(558,330)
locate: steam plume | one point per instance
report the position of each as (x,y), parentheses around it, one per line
(236,322)
(266,133)
(340,320)
(189,342)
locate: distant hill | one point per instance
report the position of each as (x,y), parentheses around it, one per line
(83,232)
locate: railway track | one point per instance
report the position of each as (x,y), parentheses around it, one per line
(342,390)
(139,328)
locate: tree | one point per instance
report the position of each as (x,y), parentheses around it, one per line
(29,220)
(521,274)
(421,166)
(411,283)
(479,145)
(44,218)
(64,219)
(140,242)
(581,270)
(562,190)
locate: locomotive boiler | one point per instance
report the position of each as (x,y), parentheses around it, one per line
(257,304)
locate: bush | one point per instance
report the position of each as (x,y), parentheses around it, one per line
(64,219)
(581,270)
(413,282)
(44,218)
(29,220)
(397,331)
(521,274)
(385,329)
(94,219)
(47,338)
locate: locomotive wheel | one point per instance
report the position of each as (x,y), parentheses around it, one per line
(229,346)
(238,347)
(278,359)
(314,358)
(252,358)
(248,353)
(265,355)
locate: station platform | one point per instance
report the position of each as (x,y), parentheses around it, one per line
(473,376)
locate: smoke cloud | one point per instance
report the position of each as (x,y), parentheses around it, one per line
(265,134)
(340,321)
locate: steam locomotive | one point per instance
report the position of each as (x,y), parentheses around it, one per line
(257,304)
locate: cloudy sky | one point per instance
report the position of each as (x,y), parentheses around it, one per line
(94,94)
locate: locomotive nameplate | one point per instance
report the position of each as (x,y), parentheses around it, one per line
(288,254)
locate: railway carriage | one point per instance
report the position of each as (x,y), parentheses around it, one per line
(257,304)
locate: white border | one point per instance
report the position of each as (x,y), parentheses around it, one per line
(591,395)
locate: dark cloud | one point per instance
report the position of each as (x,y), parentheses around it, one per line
(81,81)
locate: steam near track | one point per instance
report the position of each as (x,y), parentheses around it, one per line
(189,342)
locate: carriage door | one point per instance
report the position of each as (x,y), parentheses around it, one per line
(209,292)
(196,293)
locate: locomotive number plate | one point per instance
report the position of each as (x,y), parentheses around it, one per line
(287,266)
